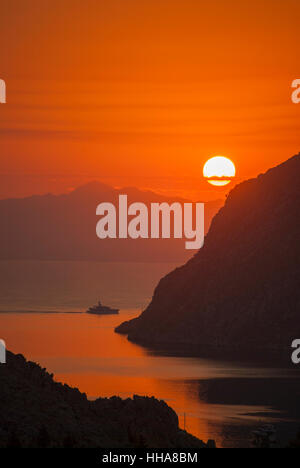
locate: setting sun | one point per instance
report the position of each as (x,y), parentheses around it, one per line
(219,171)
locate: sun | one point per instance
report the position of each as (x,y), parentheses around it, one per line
(219,171)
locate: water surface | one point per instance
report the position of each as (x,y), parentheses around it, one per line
(214,398)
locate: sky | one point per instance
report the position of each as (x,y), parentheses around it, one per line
(143,92)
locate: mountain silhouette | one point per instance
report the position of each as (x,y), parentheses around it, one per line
(241,289)
(63,227)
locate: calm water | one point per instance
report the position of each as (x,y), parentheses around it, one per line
(221,400)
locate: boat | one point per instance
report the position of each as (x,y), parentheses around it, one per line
(100,309)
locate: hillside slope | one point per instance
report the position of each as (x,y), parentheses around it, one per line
(38,412)
(242,288)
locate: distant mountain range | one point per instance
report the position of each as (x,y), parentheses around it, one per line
(63,227)
(242,289)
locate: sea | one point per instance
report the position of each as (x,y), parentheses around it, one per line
(42,316)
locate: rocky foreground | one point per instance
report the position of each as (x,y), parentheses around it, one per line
(36,411)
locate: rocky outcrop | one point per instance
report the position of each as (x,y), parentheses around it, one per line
(242,289)
(36,411)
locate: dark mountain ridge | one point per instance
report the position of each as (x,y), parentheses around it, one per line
(242,288)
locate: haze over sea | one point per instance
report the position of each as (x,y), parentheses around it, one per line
(214,399)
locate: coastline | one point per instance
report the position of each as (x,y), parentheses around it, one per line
(69,419)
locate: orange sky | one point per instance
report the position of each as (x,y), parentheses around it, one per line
(143,92)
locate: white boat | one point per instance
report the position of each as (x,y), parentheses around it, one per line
(100,309)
